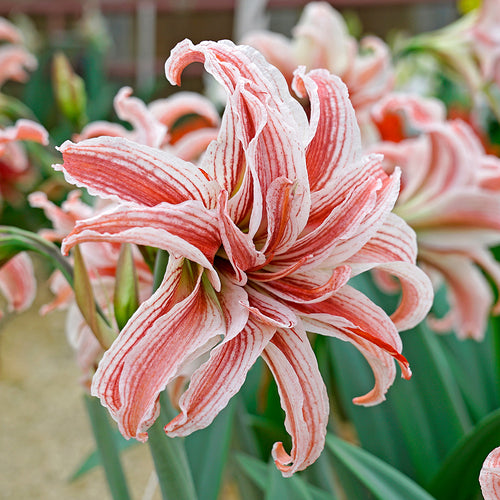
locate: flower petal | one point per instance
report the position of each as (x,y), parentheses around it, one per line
(108,166)
(352,317)
(303,397)
(469,294)
(393,250)
(147,130)
(219,379)
(186,230)
(18,282)
(489,477)
(337,139)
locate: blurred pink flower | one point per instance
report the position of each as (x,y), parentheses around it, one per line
(485,39)
(14,164)
(157,125)
(18,283)
(450,197)
(15,60)
(489,478)
(321,40)
(263,235)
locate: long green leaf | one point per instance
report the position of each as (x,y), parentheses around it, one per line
(94,459)
(207,452)
(107,448)
(458,476)
(382,480)
(274,485)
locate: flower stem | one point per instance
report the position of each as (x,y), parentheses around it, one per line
(170,459)
(107,449)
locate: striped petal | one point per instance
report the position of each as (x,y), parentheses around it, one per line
(186,230)
(220,378)
(303,397)
(351,316)
(393,250)
(337,141)
(469,294)
(109,166)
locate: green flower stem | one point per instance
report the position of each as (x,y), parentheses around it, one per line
(107,449)
(170,459)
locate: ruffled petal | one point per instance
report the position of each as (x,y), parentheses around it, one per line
(337,140)
(147,129)
(303,397)
(219,379)
(109,166)
(186,230)
(352,317)
(181,104)
(393,250)
(469,294)
(489,477)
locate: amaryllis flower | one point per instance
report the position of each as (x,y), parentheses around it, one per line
(450,197)
(184,123)
(321,40)
(263,235)
(489,478)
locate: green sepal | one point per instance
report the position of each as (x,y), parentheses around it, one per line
(88,307)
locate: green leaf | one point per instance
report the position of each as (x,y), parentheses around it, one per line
(94,459)
(126,294)
(382,480)
(269,479)
(169,457)
(458,476)
(107,449)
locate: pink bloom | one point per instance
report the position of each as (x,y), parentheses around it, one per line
(321,40)
(450,197)
(14,164)
(263,235)
(489,478)
(18,283)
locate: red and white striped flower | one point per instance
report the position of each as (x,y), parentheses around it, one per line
(263,234)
